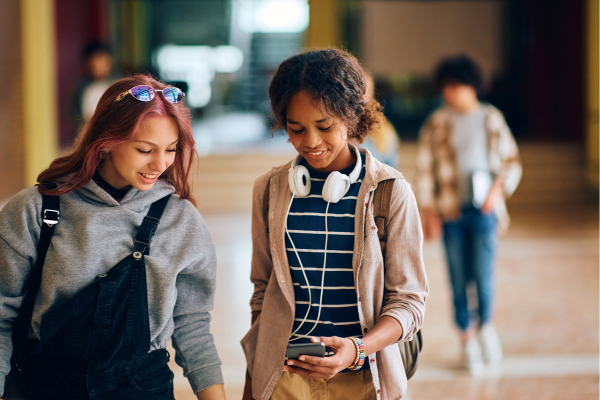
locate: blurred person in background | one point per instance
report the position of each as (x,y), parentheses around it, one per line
(468,163)
(368,300)
(116,285)
(383,142)
(97,62)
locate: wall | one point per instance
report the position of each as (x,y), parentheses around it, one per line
(11,113)
(592,114)
(40,121)
(324,28)
(409,37)
(77,23)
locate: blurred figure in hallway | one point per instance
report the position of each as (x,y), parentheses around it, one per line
(467,164)
(383,143)
(98,68)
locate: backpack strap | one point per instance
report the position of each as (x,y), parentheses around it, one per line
(50,215)
(265,208)
(146,230)
(382,199)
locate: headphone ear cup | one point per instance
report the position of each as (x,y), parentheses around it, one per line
(299,180)
(335,187)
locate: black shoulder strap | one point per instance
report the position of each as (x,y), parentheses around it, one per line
(265,203)
(149,225)
(381,209)
(50,216)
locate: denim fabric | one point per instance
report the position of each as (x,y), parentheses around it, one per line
(148,377)
(470,243)
(96,344)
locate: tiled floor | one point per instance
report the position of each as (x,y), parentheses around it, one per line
(547,312)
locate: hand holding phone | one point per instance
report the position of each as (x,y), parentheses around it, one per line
(295,350)
(317,365)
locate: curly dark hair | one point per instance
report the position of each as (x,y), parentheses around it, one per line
(334,79)
(459,69)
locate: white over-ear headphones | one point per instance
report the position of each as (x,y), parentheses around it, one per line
(336,185)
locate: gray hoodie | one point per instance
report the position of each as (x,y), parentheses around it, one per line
(94,233)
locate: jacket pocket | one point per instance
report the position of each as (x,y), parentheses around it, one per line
(156,380)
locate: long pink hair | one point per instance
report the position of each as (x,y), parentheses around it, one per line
(114,123)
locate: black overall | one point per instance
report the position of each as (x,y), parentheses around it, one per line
(96,345)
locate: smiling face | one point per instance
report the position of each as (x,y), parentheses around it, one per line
(139,161)
(318,137)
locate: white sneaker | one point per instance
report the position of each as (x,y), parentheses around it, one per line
(490,345)
(472,359)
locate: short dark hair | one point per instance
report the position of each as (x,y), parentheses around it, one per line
(94,47)
(334,79)
(458,69)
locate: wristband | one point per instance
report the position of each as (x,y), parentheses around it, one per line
(360,354)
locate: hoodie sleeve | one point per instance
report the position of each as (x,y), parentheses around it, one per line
(19,235)
(194,345)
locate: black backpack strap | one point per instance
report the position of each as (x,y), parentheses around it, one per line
(149,225)
(382,199)
(50,215)
(265,208)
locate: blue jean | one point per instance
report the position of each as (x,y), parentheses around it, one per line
(471,242)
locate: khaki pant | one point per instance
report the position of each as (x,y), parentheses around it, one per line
(356,385)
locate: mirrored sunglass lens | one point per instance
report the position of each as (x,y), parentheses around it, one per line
(143,93)
(173,94)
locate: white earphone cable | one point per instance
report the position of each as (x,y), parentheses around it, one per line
(323,276)
(301,267)
(306,278)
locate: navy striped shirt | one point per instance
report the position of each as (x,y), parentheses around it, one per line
(306,226)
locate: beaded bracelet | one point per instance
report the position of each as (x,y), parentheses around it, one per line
(360,354)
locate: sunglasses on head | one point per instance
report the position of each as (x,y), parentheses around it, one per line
(146,93)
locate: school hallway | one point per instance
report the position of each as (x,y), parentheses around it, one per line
(547,281)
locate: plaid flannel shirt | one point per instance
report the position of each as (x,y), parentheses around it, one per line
(436,185)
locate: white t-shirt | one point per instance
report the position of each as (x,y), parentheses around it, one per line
(470,143)
(91,97)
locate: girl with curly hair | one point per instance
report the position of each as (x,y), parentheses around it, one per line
(321,279)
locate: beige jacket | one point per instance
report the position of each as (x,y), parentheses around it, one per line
(437,168)
(399,290)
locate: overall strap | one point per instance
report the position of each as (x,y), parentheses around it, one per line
(149,225)
(381,210)
(50,216)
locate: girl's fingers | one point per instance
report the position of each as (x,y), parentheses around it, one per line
(318,361)
(330,341)
(308,366)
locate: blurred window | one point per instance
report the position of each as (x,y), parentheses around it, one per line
(196,66)
(271,16)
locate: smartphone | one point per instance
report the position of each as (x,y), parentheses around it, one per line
(295,350)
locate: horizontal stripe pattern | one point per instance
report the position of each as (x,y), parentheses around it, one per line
(338,314)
